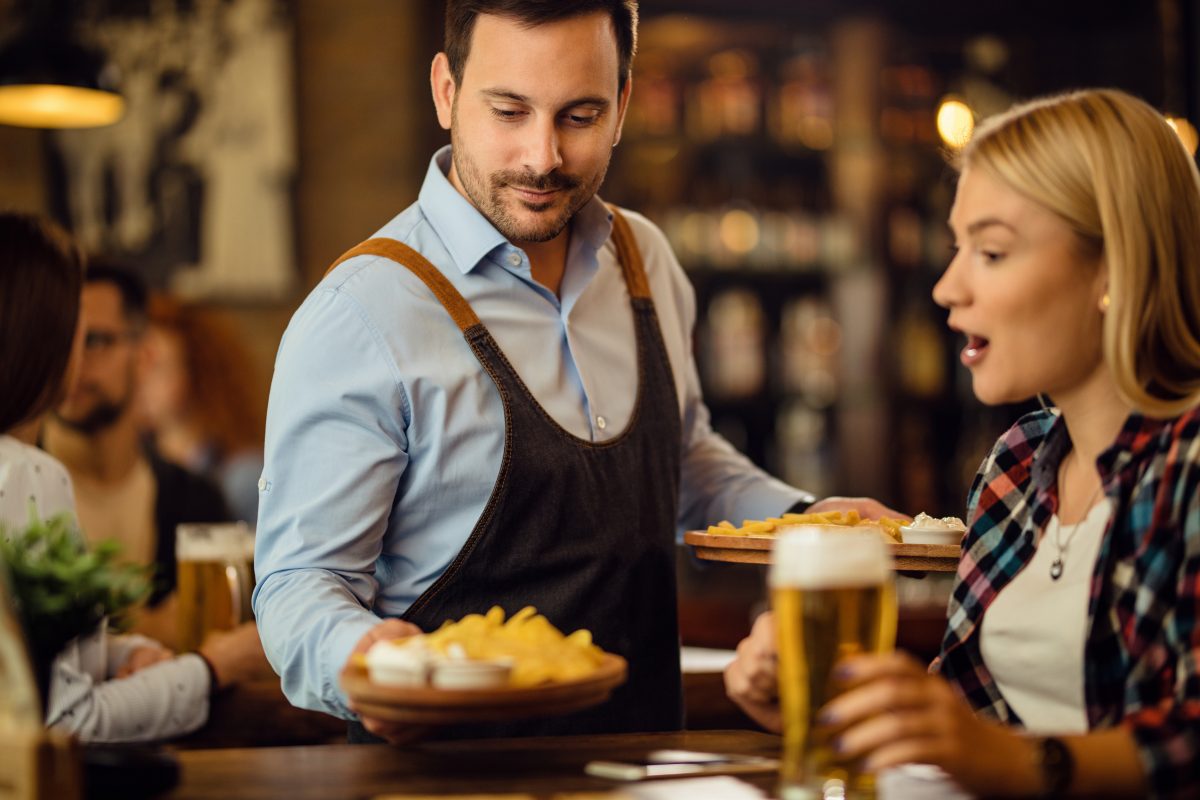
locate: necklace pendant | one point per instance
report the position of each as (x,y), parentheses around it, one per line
(1056,569)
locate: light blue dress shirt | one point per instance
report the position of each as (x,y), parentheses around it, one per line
(384,435)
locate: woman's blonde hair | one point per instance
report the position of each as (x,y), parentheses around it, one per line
(1113,169)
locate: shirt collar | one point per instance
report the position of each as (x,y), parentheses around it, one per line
(1136,434)
(593,224)
(467,234)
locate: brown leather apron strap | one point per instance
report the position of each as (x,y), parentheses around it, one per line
(629,256)
(404,255)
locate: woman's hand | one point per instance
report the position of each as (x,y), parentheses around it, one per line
(893,712)
(751,680)
(142,657)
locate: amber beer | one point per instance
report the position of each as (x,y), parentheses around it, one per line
(833,597)
(215,578)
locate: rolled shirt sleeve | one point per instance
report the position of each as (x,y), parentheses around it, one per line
(334,456)
(162,701)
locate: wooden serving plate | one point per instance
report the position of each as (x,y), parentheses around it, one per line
(427,705)
(756,549)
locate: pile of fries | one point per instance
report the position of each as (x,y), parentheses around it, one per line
(888,527)
(538,651)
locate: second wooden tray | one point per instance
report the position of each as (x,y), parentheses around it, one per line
(757,550)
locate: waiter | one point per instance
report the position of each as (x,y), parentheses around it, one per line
(494,400)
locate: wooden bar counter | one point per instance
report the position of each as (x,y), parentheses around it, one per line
(538,767)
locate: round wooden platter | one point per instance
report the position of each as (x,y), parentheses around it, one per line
(756,549)
(440,706)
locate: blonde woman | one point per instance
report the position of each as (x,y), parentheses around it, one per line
(1069,666)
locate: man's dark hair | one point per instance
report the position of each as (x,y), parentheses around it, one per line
(41,277)
(135,297)
(461,14)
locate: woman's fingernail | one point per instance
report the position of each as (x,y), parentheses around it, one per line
(826,717)
(839,745)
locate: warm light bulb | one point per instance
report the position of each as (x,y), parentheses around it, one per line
(955,122)
(54,106)
(1186,132)
(739,231)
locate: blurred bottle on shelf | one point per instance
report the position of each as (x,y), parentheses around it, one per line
(908,105)
(810,343)
(655,108)
(801,112)
(733,354)
(803,449)
(728,102)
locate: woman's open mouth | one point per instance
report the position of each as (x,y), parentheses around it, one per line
(975,350)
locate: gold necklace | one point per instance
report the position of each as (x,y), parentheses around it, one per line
(1056,567)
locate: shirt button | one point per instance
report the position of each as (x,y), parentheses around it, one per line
(601,423)
(514,259)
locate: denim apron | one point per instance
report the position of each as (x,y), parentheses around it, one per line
(583,531)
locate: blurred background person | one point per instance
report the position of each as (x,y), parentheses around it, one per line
(199,401)
(1073,616)
(101,688)
(123,490)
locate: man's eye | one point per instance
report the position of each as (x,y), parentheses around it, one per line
(99,340)
(582,119)
(505,113)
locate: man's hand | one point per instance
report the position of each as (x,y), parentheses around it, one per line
(393,732)
(751,679)
(868,508)
(142,657)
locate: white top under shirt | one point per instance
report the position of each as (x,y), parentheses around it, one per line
(1033,634)
(165,700)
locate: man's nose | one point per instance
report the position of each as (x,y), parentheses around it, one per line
(543,154)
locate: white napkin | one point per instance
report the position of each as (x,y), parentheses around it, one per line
(918,782)
(720,787)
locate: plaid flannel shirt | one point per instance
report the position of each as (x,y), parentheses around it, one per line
(1140,658)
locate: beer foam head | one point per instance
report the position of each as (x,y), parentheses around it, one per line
(812,557)
(227,541)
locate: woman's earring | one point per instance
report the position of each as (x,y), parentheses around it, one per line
(1105,302)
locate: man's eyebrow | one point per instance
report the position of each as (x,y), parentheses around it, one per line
(506,94)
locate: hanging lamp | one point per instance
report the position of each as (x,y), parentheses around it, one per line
(50,80)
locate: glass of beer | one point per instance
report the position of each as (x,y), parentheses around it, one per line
(216,576)
(833,597)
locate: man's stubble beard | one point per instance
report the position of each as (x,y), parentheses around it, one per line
(486,194)
(102,416)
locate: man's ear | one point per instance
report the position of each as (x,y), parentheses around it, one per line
(441,82)
(623,106)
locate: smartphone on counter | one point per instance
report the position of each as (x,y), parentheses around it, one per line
(679,764)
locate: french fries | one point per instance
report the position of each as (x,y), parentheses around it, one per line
(538,651)
(889,528)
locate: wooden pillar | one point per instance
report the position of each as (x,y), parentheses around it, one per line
(366,121)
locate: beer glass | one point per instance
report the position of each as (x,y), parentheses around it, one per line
(215,578)
(833,596)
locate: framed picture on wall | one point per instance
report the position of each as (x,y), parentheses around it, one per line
(194,184)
